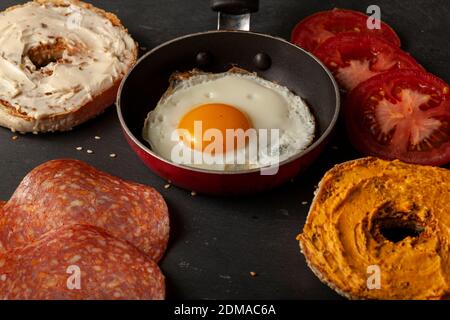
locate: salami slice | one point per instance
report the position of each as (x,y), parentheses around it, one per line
(79,262)
(65,192)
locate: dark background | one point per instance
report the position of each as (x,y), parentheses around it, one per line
(216,242)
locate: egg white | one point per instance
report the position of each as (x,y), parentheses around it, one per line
(266,104)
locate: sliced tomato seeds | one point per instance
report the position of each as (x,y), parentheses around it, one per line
(401,114)
(354,58)
(393,108)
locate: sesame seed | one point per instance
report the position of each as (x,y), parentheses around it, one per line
(304,202)
(89,151)
(193,193)
(79,148)
(97,137)
(113,155)
(253,273)
(167,186)
(15,137)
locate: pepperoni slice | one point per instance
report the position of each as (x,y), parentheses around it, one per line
(315,29)
(79,262)
(64,192)
(402,114)
(354,58)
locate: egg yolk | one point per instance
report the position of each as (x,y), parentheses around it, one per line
(212,116)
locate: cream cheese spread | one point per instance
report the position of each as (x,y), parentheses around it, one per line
(95,54)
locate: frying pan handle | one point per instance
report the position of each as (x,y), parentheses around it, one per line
(235,6)
(234,14)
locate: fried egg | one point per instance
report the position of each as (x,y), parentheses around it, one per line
(237,101)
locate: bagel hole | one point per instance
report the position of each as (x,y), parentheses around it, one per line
(395,230)
(394,226)
(46,53)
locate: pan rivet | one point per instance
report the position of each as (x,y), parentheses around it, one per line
(203,58)
(262,61)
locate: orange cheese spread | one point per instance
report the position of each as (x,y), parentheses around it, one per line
(388,214)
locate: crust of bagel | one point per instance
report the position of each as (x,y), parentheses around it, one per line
(323,187)
(20,122)
(17,122)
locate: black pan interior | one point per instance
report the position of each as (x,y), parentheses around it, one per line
(291,67)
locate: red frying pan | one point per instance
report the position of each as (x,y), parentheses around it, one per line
(272,58)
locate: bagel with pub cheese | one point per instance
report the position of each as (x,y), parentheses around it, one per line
(385,219)
(61,63)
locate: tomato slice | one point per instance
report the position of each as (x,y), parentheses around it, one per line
(315,29)
(354,58)
(401,114)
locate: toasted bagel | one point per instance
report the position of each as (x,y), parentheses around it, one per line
(61,63)
(355,221)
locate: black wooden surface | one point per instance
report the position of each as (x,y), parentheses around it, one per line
(217,242)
